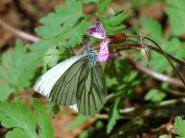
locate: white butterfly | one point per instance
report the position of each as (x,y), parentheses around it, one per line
(77,82)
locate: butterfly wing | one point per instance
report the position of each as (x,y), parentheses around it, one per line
(64,90)
(75,82)
(92,91)
(82,84)
(46,82)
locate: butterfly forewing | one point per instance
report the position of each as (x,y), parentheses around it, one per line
(46,82)
(64,90)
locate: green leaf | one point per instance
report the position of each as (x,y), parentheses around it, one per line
(5,91)
(179,126)
(111,81)
(17,115)
(152,27)
(44,123)
(17,133)
(103,5)
(62,28)
(174,47)
(61,22)
(17,67)
(76,34)
(154,95)
(114,23)
(51,57)
(78,121)
(175,11)
(23,123)
(114,116)
(40,48)
(64,18)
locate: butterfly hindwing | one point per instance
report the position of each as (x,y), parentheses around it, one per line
(92,90)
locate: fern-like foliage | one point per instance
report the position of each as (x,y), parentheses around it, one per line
(23,122)
(17,69)
(63,28)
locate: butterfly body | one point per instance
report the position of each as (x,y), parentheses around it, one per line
(91,55)
(77,82)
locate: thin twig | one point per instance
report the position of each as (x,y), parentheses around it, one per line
(137,45)
(133,109)
(169,60)
(154,74)
(19,33)
(158,76)
(160,104)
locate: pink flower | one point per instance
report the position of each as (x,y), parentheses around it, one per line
(98,31)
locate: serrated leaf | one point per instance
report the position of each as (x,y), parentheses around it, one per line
(174,47)
(115,23)
(44,123)
(17,67)
(61,21)
(114,116)
(62,28)
(76,34)
(154,95)
(64,15)
(23,122)
(17,133)
(51,57)
(17,115)
(102,5)
(179,126)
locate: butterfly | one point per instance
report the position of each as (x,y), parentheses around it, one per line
(77,82)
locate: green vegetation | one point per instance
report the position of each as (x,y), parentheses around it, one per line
(138,101)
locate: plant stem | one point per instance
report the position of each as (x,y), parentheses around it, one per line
(19,33)
(168,58)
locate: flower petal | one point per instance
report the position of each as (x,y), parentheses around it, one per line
(103,54)
(97,31)
(100,29)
